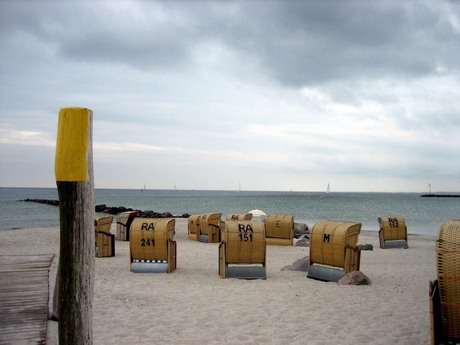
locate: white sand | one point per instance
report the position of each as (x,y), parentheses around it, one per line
(193,305)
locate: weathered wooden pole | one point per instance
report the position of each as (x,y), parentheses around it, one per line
(75,183)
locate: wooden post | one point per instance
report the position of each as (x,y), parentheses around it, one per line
(75,183)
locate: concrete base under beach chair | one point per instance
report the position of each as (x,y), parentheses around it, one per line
(325,273)
(245,271)
(395,244)
(149,266)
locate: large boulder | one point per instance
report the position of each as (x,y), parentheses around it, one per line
(301,229)
(298,265)
(354,278)
(303,241)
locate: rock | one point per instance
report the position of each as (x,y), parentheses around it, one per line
(100,208)
(354,278)
(43,201)
(365,247)
(300,229)
(150,214)
(298,265)
(303,241)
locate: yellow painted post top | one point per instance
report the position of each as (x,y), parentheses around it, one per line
(73,143)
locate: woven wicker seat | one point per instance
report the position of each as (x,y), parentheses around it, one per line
(194,226)
(393,232)
(445,291)
(279,229)
(242,250)
(333,250)
(209,227)
(152,246)
(105,241)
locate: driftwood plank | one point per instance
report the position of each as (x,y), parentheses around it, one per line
(24,291)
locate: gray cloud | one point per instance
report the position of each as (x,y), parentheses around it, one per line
(329,89)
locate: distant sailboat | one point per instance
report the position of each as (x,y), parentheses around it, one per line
(328,189)
(143,188)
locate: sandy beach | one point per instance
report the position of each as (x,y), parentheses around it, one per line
(194,305)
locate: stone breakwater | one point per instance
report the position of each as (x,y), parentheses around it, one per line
(102,208)
(300,230)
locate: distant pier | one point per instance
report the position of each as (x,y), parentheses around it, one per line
(440,195)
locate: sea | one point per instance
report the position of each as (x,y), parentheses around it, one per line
(423,215)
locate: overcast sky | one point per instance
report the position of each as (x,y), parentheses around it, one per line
(265,95)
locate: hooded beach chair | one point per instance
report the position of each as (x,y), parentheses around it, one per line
(393,232)
(152,246)
(242,252)
(194,226)
(209,227)
(445,290)
(124,220)
(333,250)
(105,241)
(239,216)
(279,229)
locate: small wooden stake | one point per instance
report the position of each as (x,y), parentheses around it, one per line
(75,183)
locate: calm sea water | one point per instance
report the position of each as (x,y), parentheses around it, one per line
(423,215)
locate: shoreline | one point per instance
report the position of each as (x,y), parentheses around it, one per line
(193,305)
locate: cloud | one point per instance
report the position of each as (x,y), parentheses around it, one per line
(275,95)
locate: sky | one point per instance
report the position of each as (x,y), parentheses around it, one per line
(227,95)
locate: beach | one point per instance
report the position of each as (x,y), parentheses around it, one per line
(194,305)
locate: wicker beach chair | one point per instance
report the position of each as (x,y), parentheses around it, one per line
(239,216)
(152,246)
(333,250)
(242,252)
(105,241)
(209,227)
(279,229)
(194,227)
(445,290)
(393,232)
(124,220)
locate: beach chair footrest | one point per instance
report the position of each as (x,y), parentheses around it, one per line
(147,266)
(325,273)
(396,244)
(245,272)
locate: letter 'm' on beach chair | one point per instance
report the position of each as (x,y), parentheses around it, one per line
(445,290)
(209,227)
(239,216)
(152,246)
(333,250)
(194,227)
(393,232)
(105,241)
(124,220)
(242,252)
(279,229)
